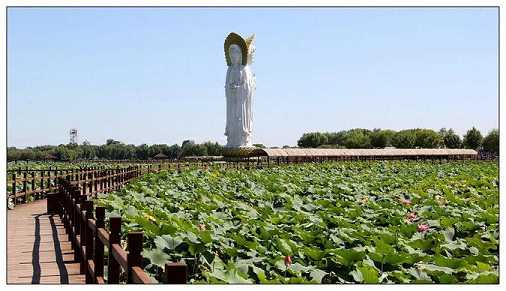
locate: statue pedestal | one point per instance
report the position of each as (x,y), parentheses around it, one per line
(230,153)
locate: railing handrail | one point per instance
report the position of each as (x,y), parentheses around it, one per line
(85,226)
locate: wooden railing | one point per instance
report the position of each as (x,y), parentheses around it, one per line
(29,183)
(86,229)
(38,183)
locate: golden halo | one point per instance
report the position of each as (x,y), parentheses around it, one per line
(234,38)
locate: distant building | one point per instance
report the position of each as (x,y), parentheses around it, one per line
(160,156)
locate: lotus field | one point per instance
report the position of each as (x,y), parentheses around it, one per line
(341,222)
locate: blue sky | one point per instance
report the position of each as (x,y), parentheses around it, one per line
(156,75)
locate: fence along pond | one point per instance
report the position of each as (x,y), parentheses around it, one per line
(86,229)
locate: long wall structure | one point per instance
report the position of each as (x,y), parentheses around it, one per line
(299,154)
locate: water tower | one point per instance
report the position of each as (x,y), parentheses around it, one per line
(73,136)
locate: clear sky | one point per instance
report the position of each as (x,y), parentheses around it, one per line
(156,75)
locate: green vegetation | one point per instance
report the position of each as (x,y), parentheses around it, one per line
(450,138)
(407,139)
(491,142)
(113,150)
(368,222)
(353,138)
(472,139)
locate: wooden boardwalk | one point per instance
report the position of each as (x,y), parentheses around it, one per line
(38,250)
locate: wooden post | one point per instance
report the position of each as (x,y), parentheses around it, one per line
(83,227)
(33,184)
(42,174)
(103,173)
(175,273)
(75,224)
(84,185)
(90,182)
(105,179)
(50,180)
(113,268)
(95,185)
(63,191)
(99,246)
(69,210)
(25,186)
(114,179)
(134,257)
(88,206)
(109,180)
(14,185)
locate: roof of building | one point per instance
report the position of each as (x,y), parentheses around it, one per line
(302,152)
(160,156)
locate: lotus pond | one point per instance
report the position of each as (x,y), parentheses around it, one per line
(341,222)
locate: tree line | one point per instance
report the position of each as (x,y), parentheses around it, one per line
(406,139)
(353,138)
(114,150)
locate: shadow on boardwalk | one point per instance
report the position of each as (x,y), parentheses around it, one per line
(38,250)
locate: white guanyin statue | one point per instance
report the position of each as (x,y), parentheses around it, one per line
(239,90)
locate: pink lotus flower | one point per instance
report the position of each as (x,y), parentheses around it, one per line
(422,227)
(202,226)
(288,261)
(410,217)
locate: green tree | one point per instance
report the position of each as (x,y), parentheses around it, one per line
(473,139)
(213,148)
(336,138)
(491,142)
(404,139)
(381,138)
(175,151)
(312,140)
(451,140)
(190,148)
(142,152)
(357,139)
(87,151)
(427,138)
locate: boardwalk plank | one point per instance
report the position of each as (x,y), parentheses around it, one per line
(38,250)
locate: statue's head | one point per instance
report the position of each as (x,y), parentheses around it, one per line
(239,50)
(235,54)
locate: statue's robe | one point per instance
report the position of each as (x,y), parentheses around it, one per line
(239,89)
